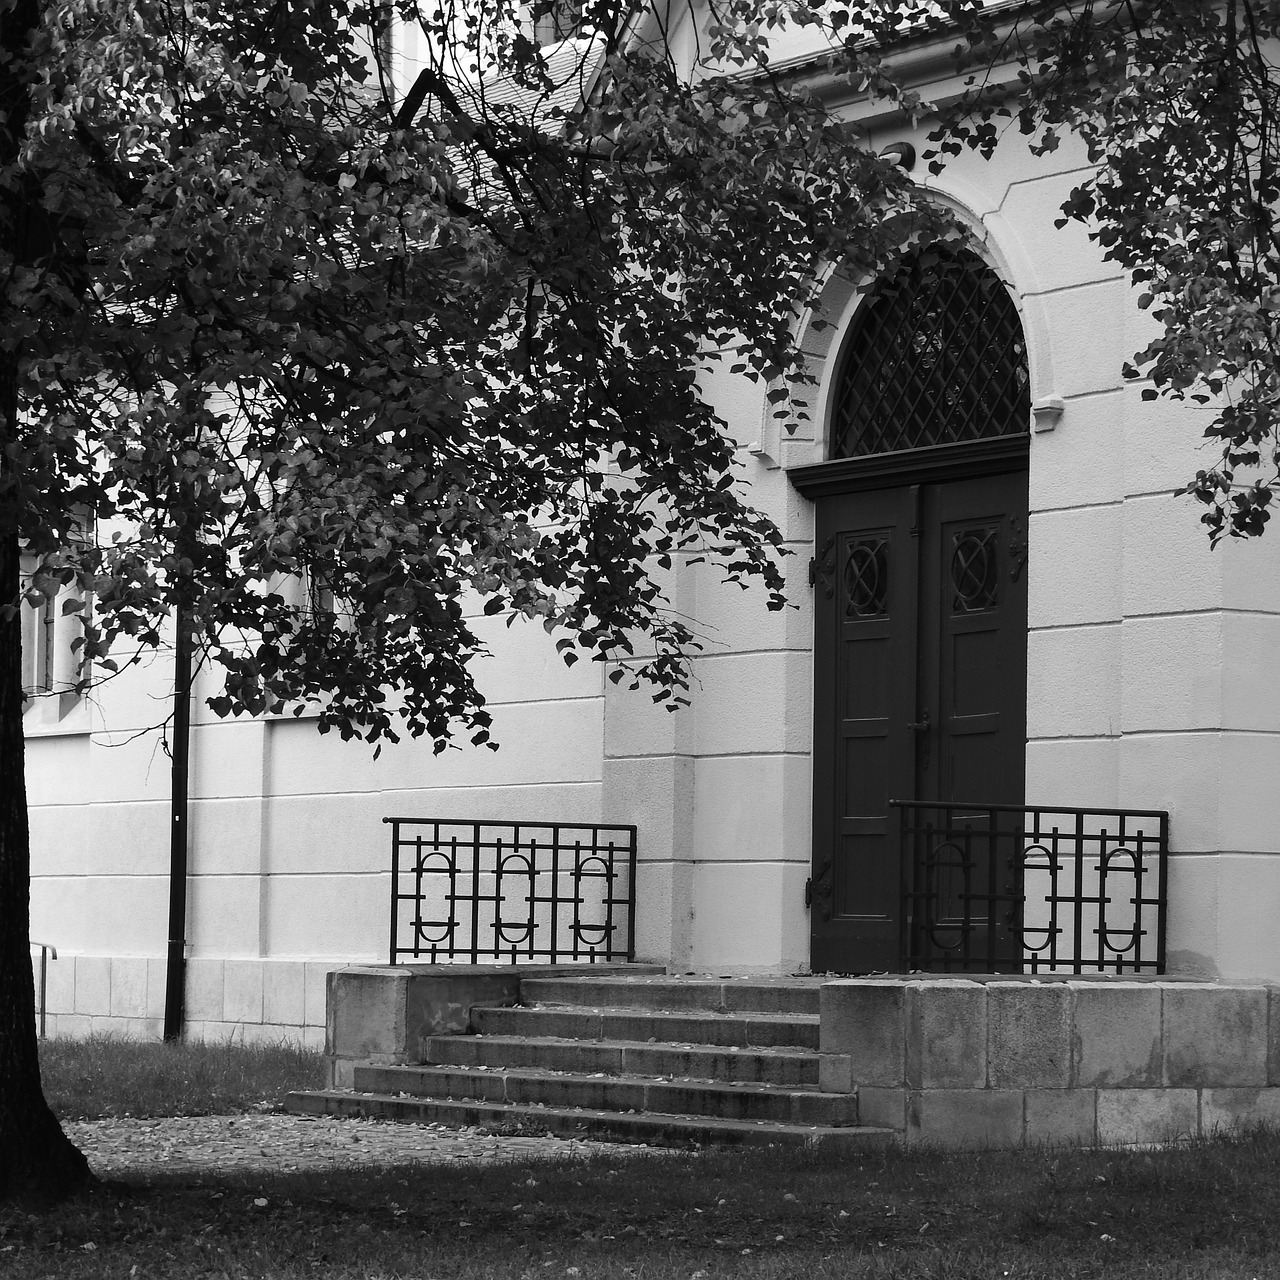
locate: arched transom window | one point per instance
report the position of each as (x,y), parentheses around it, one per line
(935,356)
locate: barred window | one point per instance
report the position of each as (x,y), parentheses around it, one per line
(935,356)
(307,594)
(52,661)
(555,20)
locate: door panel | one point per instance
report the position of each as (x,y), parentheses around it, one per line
(865,601)
(973,640)
(973,669)
(920,688)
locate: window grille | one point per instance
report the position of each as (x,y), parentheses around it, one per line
(936,356)
(556,20)
(51,661)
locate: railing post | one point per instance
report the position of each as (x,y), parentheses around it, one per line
(631,894)
(904,886)
(1162,863)
(395,884)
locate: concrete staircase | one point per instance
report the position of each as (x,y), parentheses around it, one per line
(648,1059)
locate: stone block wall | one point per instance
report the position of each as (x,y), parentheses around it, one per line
(381,1014)
(1010,1063)
(255,1000)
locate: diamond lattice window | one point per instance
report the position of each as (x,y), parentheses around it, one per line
(936,356)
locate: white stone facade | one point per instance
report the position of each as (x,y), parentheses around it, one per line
(1151,664)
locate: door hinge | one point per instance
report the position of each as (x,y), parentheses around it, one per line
(808,892)
(822,566)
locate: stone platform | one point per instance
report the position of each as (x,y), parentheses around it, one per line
(958,1062)
(1009,1062)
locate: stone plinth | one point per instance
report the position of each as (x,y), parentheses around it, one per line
(1007,1061)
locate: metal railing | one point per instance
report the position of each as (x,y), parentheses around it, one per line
(511,891)
(1031,889)
(47,950)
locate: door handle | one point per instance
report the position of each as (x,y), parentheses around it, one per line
(924,724)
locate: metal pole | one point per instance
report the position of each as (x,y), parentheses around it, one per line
(395,885)
(175,976)
(44,985)
(631,893)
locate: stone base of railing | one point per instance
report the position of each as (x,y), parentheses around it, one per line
(1010,1062)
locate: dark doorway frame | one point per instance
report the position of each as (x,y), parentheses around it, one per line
(874,474)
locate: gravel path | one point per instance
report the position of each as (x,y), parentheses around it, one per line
(280,1143)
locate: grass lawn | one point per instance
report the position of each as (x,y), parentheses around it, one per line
(1209,1210)
(108,1076)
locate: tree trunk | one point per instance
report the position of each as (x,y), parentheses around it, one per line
(38,1164)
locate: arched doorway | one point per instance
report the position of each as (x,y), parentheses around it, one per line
(920,588)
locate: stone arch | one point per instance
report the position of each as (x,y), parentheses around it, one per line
(841,297)
(935,355)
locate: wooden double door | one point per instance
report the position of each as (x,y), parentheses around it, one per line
(920,653)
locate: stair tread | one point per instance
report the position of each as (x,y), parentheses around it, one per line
(636,1011)
(652,1058)
(687,984)
(576,1115)
(573,1077)
(685,1046)
(707,992)
(673,1026)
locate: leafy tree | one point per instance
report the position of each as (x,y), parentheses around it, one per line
(1178,102)
(264,323)
(261,324)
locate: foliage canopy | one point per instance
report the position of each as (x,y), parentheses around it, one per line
(1178,102)
(452,341)
(285,327)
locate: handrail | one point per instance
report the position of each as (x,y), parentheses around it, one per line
(47,949)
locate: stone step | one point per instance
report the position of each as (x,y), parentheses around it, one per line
(614,1093)
(747,1030)
(627,1057)
(708,995)
(655,1129)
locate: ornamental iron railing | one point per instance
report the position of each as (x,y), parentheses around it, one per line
(1028,889)
(511,892)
